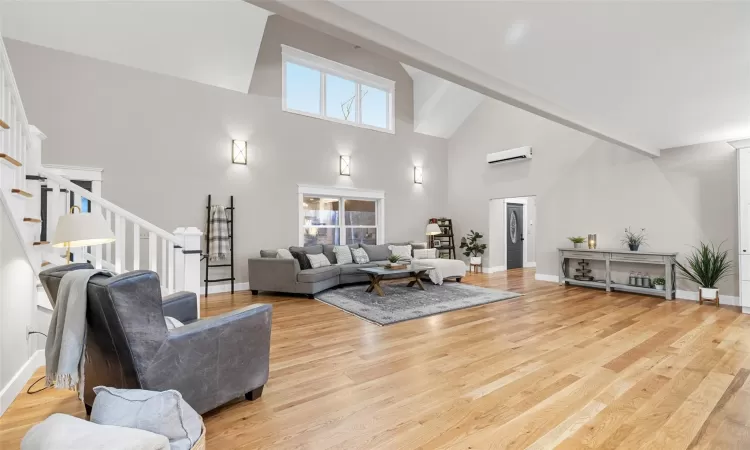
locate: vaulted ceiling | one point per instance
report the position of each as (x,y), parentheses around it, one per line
(210,42)
(649,75)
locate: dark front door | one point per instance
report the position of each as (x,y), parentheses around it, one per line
(514,242)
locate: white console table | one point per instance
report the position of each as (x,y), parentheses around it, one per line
(610,256)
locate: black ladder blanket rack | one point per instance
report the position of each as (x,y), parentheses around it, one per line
(230,222)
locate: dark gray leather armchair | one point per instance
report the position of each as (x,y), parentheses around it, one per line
(210,361)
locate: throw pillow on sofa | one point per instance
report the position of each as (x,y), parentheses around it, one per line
(164,413)
(360,256)
(283,253)
(343,254)
(301,258)
(426,253)
(402,251)
(319,260)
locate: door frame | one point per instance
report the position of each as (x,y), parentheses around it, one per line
(498,230)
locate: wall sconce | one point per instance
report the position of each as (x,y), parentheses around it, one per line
(239,152)
(592,241)
(417,175)
(345,165)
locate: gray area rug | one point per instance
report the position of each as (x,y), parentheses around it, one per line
(402,303)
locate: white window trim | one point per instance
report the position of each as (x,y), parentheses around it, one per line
(347,193)
(326,66)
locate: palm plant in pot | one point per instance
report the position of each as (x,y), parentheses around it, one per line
(577,241)
(634,239)
(472,248)
(706,266)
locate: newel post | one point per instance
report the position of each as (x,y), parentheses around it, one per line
(188,261)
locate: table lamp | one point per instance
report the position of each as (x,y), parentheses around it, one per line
(432,229)
(81,230)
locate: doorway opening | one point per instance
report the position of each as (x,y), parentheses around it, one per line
(512,237)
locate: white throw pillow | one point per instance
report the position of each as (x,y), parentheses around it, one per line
(425,253)
(164,413)
(283,253)
(319,260)
(172,323)
(343,254)
(360,256)
(404,251)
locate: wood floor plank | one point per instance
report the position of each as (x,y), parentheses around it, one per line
(564,367)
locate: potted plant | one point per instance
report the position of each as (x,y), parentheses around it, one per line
(706,266)
(393,260)
(577,241)
(634,239)
(658,283)
(472,247)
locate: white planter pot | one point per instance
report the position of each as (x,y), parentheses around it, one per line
(577,244)
(709,293)
(659,287)
(475,260)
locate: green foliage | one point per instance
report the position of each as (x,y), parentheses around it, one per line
(706,265)
(658,280)
(393,259)
(634,238)
(577,239)
(471,244)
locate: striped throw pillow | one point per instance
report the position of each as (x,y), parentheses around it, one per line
(343,254)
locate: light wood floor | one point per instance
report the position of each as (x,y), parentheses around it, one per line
(568,367)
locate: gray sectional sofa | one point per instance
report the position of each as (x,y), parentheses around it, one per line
(269,273)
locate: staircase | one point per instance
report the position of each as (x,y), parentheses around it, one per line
(138,245)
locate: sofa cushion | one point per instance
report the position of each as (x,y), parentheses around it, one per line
(418,246)
(301,258)
(319,274)
(377,252)
(352,269)
(359,255)
(319,260)
(268,253)
(343,254)
(310,249)
(284,254)
(331,255)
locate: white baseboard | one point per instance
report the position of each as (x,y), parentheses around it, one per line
(16,384)
(729,300)
(227,287)
(543,277)
(494,269)
(529,264)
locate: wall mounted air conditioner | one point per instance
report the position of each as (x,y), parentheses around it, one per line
(514,154)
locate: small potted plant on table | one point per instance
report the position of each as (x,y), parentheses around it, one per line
(658,283)
(472,248)
(706,266)
(634,239)
(393,261)
(577,241)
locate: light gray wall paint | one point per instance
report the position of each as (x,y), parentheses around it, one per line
(585,185)
(164,143)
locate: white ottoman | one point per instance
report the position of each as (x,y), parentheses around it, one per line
(444,268)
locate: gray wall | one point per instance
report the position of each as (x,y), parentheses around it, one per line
(585,185)
(164,143)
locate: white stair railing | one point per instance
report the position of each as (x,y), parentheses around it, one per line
(138,243)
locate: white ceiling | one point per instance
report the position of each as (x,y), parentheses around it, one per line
(211,42)
(661,74)
(440,107)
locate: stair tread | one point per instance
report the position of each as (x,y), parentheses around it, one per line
(4,125)
(10,159)
(21,192)
(41,243)
(32,220)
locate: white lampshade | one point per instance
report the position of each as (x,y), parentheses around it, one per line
(432,229)
(80,230)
